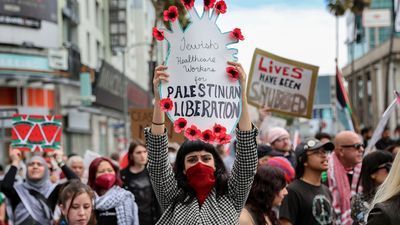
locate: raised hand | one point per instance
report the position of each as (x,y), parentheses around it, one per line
(15,156)
(159,75)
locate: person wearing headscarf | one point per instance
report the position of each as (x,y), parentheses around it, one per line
(113,205)
(33,201)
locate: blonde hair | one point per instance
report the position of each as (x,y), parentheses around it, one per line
(391,185)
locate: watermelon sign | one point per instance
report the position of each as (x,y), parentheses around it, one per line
(36,132)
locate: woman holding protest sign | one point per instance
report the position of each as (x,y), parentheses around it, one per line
(114,205)
(33,201)
(200,192)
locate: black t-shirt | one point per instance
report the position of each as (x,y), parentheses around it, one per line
(307,204)
(139,184)
(106,217)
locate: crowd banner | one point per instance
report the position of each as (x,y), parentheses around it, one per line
(142,118)
(382,123)
(285,86)
(36,132)
(203,94)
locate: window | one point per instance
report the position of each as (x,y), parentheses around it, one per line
(88,9)
(88,47)
(97,17)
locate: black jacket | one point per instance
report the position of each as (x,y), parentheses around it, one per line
(386,213)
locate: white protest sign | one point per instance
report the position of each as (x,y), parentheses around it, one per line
(285,86)
(200,91)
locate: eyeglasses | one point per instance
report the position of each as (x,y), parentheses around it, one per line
(357,146)
(319,152)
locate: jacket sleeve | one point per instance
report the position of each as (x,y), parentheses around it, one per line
(160,170)
(378,217)
(244,167)
(7,187)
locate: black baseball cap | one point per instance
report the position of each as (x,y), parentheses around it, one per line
(312,144)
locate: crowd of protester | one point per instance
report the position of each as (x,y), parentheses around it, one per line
(323,180)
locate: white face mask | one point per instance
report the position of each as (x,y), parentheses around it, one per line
(172,157)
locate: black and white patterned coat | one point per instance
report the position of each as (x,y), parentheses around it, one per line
(223,210)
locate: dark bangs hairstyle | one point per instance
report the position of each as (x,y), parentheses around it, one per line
(267,184)
(370,164)
(221,175)
(72,189)
(132,146)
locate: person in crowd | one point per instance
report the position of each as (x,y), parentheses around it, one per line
(76,164)
(200,192)
(226,157)
(76,204)
(172,151)
(267,191)
(2,209)
(385,140)
(323,137)
(33,202)
(114,205)
(344,173)
(264,153)
(366,134)
(394,149)
(375,168)
(283,164)
(309,201)
(136,180)
(386,203)
(279,140)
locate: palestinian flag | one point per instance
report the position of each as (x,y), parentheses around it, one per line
(342,97)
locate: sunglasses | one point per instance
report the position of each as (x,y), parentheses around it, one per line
(386,166)
(356,146)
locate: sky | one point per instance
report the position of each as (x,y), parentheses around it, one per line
(302,30)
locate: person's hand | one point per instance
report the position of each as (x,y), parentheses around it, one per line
(58,155)
(159,75)
(15,156)
(242,74)
(264,112)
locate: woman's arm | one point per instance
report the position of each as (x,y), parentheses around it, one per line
(7,186)
(161,174)
(245,165)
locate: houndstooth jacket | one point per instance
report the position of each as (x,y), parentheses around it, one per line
(224,210)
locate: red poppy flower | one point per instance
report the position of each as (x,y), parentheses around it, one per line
(192,133)
(207,136)
(158,34)
(166,104)
(232,72)
(224,139)
(188,3)
(220,7)
(180,125)
(237,34)
(218,130)
(209,4)
(171,14)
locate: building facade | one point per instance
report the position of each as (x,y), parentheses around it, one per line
(371,79)
(45,47)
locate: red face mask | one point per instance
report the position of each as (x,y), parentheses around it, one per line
(202,179)
(105,181)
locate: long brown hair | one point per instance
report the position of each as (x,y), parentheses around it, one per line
(71,190)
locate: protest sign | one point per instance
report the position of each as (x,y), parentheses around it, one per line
(203,92)
(141,118)
(285,86)
(36,132)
